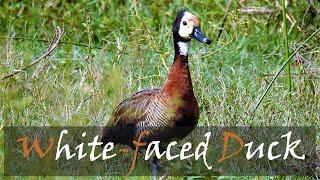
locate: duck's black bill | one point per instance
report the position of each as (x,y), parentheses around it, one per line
(197,34)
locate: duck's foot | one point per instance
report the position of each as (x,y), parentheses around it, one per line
(166,174)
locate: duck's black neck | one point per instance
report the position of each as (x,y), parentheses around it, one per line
(180,46)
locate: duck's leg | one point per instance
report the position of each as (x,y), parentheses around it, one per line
(154,167)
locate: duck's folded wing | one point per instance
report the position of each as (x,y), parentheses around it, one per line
(122,128)
(135,108)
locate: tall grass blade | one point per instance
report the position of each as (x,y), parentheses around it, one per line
(286,47)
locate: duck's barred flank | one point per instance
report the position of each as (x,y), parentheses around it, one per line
(149,108)
(162,112)
(168,113)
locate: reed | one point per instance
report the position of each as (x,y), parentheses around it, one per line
(286,48)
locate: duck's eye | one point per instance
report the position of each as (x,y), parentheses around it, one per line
(184,23)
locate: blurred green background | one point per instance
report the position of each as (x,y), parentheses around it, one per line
(112,49)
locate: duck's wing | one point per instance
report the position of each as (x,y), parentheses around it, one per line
(122,127)
(135,108)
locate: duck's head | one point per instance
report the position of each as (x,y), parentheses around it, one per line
(185,27)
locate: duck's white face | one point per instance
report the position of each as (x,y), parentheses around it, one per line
(186,26)
(187,23)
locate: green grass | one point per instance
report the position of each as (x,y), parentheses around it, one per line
(132,50)
(286,46)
